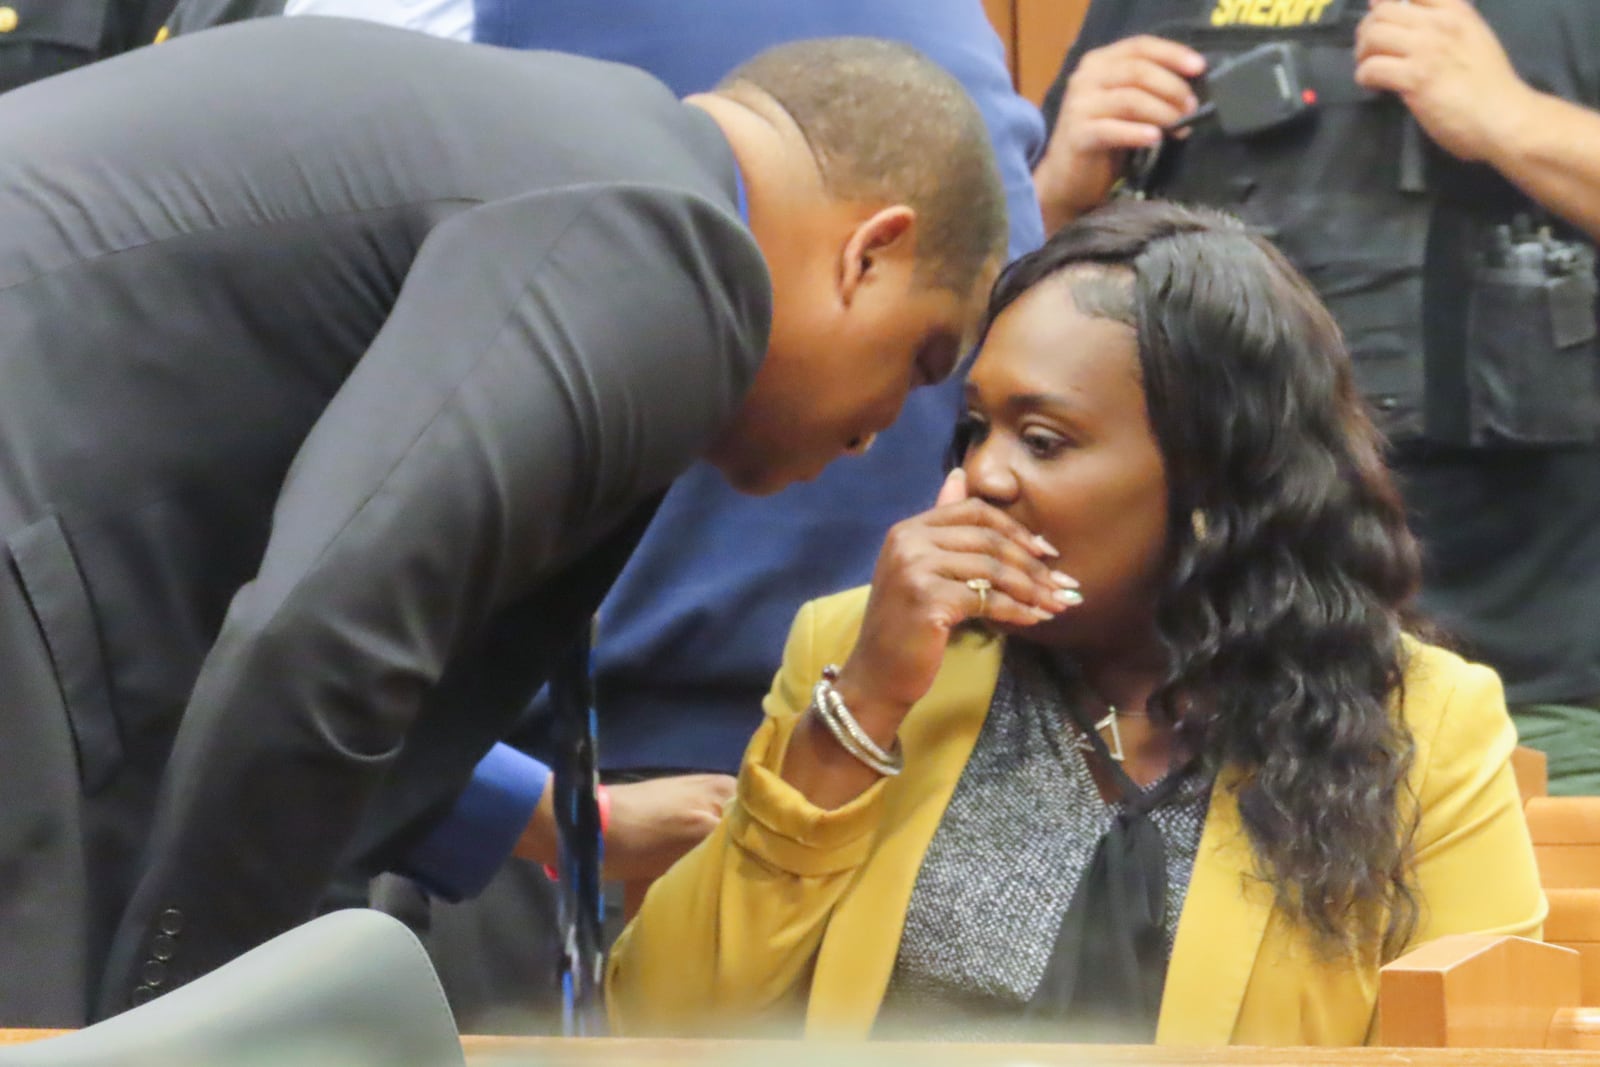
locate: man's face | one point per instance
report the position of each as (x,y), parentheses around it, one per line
(838,370)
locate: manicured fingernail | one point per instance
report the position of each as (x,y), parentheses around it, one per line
(1065,581)
(1045,546)
(1069,597)
(1041,614)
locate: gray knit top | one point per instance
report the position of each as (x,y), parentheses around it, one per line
(1001,869)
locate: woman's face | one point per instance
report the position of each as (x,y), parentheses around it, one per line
(1062,443)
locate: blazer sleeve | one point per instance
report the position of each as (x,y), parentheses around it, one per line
(552,361)
(1475,870)
(726,939)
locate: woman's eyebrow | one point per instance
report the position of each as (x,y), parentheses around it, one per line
(1029,401)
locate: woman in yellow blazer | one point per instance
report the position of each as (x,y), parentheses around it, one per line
(1130,740)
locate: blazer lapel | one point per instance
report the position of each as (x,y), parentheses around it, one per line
(1224,918)
(863,938)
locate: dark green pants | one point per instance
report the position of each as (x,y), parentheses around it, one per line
(1569,736)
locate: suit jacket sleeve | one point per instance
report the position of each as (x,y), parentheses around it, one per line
(552,361)
(727,937)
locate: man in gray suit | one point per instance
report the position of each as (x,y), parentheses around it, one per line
(342,368)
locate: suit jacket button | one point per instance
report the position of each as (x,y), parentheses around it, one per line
(154,972)
(171,921)
(8,19)
(142,994)
(162,946)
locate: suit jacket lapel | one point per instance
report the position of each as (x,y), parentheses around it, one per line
(1225,915)
(863,938)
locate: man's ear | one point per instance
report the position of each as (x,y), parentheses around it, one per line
(890,231)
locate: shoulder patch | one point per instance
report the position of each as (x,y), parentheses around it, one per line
(1276,14)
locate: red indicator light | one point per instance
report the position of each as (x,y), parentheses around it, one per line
(1309,96)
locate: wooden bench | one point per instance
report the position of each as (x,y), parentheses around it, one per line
(1477,991)
(1566,846)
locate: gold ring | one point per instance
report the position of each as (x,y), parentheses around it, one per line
(981,586)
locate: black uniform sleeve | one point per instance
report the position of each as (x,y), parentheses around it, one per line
(552,361)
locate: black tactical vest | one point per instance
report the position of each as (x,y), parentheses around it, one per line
(1470,318)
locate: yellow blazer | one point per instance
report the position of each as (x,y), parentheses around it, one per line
(790,910)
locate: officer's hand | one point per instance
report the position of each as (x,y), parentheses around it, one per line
(1445,62)
(1119,98)
(655,822)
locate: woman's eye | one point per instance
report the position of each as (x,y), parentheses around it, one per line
(1042,445)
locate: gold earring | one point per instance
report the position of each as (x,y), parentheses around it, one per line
(1197,522)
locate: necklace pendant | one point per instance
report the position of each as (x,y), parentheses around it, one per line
(1116,734)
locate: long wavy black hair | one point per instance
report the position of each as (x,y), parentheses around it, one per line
(1290,567)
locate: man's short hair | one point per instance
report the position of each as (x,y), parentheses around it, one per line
(888,124)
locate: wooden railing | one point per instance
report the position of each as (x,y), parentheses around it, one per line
(621,1052)
(617,1052)
(1037,34)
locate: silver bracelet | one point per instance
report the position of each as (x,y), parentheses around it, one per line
(862,739)
(831,709)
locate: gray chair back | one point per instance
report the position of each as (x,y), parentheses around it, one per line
(350,989)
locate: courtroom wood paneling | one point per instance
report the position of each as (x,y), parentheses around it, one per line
(1574,922)
(18,1037)
(1045,29)
(1532,771)
(1575,1028)
(1476,991)
(1003,17)
(1566,840)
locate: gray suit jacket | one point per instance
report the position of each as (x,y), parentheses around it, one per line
(342,367)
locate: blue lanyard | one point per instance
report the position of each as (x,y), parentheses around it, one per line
(581,897)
